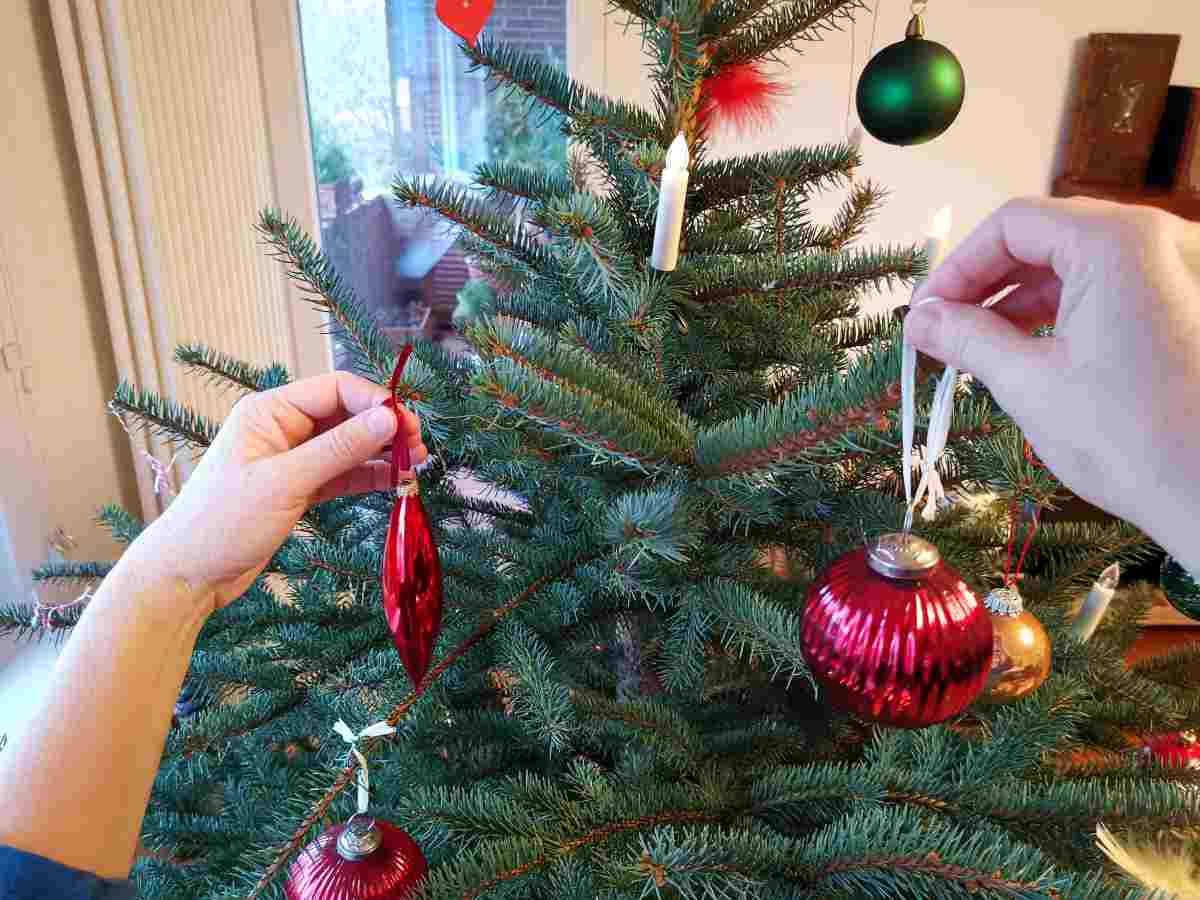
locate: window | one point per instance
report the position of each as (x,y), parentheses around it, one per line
(389,91)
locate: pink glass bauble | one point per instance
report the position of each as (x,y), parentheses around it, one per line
(894,635)
(361,860)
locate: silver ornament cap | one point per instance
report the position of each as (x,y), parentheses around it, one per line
(359,839)
(903,556)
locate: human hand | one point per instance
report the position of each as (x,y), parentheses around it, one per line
(277,454)
(1110,402)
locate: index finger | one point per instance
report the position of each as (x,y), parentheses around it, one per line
(1031,233)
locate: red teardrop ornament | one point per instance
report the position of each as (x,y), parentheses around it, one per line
(412,572)
(909,648)
(382,863)
(465,18)
(412,585)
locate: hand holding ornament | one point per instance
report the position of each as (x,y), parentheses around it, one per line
(278,453)
(1107,401)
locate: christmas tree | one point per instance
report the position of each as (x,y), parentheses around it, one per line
(618,705)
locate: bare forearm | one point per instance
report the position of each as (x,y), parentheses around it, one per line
(76,784)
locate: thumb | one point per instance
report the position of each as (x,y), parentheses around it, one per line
(976,340)
(339,450)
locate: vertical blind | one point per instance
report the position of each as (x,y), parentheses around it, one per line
(188,119)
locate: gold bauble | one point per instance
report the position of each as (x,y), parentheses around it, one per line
(1020,649)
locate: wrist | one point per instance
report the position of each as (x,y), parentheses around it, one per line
(149,568)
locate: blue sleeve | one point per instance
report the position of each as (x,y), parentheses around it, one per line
(24,876)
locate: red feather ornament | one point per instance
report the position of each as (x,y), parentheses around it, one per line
(741,97)
(412,573)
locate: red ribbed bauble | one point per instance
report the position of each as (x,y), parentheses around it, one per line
(894,635)
(361,860)
(1180,749)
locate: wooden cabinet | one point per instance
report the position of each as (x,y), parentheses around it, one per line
(1185,203)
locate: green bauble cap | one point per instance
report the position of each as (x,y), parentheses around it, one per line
(911,92)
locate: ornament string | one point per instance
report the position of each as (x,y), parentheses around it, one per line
(855,137)
(164,484)
(1013,573)
(401,458)
(379,729)
(930,487)
(47,616)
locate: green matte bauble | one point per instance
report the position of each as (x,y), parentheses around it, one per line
(1181,588)
(911,92)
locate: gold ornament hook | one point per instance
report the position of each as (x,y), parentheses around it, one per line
(916,25)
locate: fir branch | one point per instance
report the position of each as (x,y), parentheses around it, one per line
(86,572)
(785,26)
(457,206)
(756,629)
(803,274)
(801,170)
(549,85)
(225,370)
(322,286)
(564,388)
(527,182)
(855,214)
(591,244)
(835,415)
(574,843)
(861,331)
(725,16)
(164,417)
(1179,666)
(121,525)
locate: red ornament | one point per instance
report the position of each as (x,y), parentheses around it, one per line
(1180,749)
(741,97)
(412,572)
(361,860)
(465,18)
(894,635)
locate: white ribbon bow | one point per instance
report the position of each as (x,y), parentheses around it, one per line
(379,729)
(930,487)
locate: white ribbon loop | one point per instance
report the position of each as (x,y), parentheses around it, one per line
(379,729)
(930,487)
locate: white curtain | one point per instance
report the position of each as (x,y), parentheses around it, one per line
(189,118)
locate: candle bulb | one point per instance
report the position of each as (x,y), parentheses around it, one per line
(1096,604)
(935,243)
(672,195)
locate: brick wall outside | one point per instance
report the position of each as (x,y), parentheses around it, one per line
(531,25)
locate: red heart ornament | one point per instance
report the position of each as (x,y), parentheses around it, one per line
(465,18)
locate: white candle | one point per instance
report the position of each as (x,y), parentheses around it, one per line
(1096,604)
(935,243)
(672,194)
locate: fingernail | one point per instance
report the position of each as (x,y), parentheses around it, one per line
(925,300)
(381,422)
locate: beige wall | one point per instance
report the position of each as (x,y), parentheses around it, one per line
(61,455)
(1019,61)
